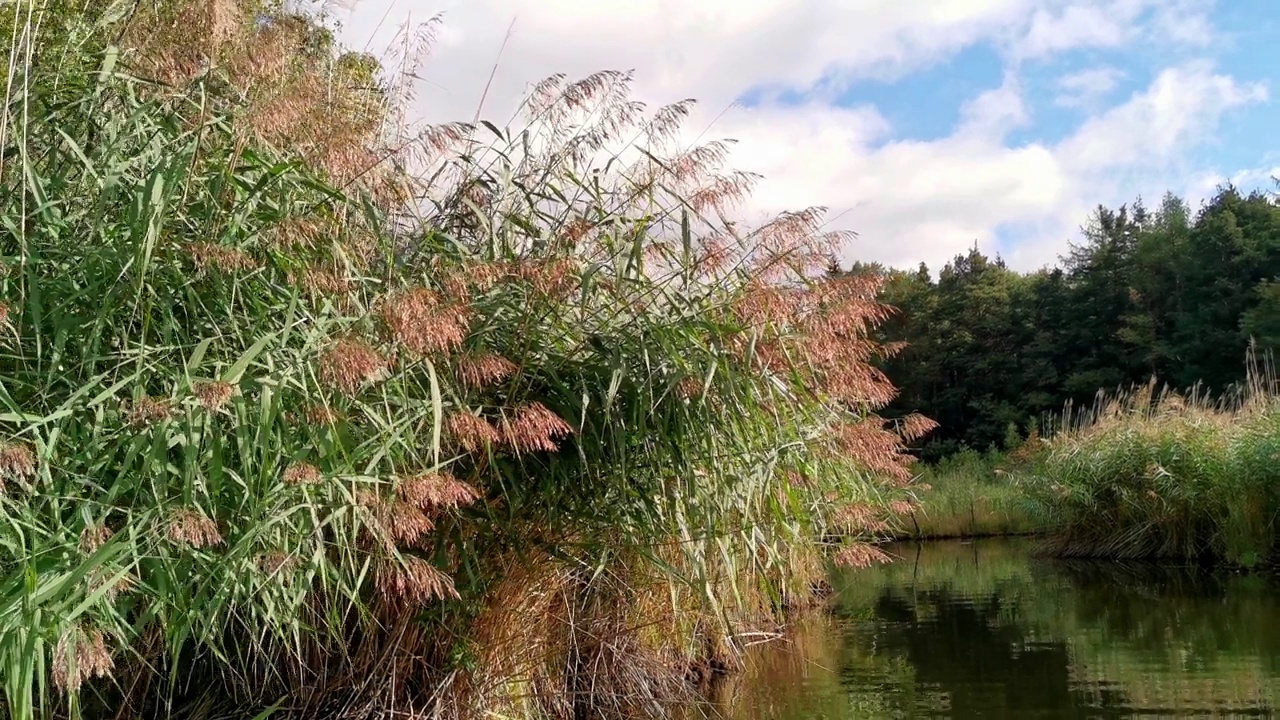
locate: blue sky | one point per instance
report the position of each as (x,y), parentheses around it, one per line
(1063,90)
(924,126)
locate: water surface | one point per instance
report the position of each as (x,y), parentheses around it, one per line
(984,630)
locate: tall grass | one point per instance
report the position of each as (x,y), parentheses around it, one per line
(309,409)
(1156,473)
(973,494)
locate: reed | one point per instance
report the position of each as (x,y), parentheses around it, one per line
(307,409)
(973,494)
(1154,473)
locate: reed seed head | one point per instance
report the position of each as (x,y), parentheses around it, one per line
(859,518)
(915,426)
(422,322)
(714,256)
(902,507)
(214,395)
(93,537)
(99,577)
(471,433)
(405,522)
(860,556)
(80,655)
(436,491)
(483,276)
(413,583)
(17,461)
(480,371)
(297,232)
(148,411)
(350,364)
(880,451)
(553,279)
(535,428)
(301,473)
(211,256)
(193,529)
(319,282)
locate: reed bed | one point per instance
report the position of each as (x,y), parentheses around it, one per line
(309,411)
(1154,473)
(972,494)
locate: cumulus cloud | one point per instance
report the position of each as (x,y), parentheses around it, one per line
(1078,25)
(909,200)
(1087,87)
(1182,105)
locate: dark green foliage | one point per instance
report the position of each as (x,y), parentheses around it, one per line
(1162,292)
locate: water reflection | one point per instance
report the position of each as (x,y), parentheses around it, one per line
(985,630)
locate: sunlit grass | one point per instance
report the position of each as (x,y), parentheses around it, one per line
(1163,474)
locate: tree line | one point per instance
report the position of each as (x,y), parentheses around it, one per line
(1166,293)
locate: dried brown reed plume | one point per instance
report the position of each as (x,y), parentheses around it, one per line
(301,473)
(423,323)
(860,556)
(822,331)
(1155,400)
(210,256)
(93,537)
(341,115)
(17,462)
(213,395)
(1139,405)
(535,428)
(478,371)
(411,582)
(436,491)
(81,654)
(471,433)
(192,528)
(148,411)
(321,282)
(349,364)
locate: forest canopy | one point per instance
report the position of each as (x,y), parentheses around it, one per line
(1166,293)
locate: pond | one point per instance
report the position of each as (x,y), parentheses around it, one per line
(984,629)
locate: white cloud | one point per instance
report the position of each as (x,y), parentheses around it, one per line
(1079,25)
(1261,177)
(1204,186)
(710,49)
(1182,105)
(1059,26)
(995,112)
(908,200)
(1185,21)
(1087,87)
